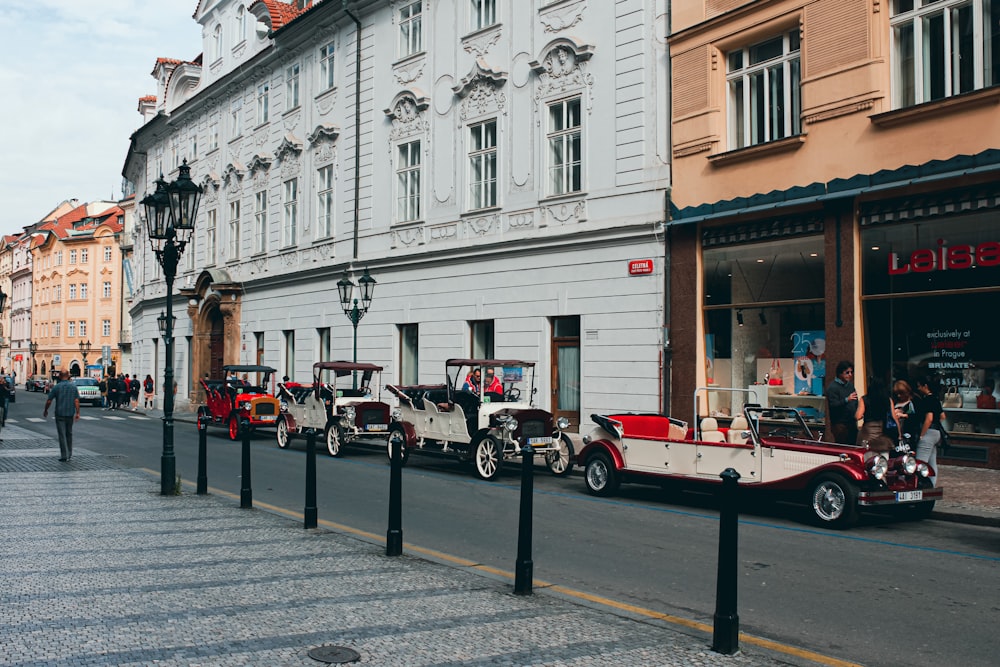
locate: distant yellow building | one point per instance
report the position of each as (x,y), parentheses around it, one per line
(76,290)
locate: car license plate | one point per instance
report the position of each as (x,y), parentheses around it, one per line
(540,441)
(267,418)
(908,496)
(377,427)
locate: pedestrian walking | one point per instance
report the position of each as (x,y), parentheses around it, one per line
(133,392)
(4,399)
(67,400)
(103,386)
(148,387)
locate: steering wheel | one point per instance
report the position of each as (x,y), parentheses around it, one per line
(512,395)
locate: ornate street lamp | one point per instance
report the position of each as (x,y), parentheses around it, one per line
(346,288)
(170,214)
(33,349)
(84,351)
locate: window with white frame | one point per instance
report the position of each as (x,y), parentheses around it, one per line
(211,219)
(292,87)
(216,49)
(260,222)
(565,142)
(323,342)
(72,256)
(410,33)
(290,212)
(83,327)
(106,328)
(483,164)
(72,291)
(327,78)
(83,290)
(58,289)
(235,118)
(765,102)
(240,25)
(408,182)
(84,255)
(59,258)
(106,289)
(324,207)
(409,354)
(234,230)
(57,329)
(107,253)
(942,48)
(263,103)
(70,328)
(193,146)
(484,13)
(213,135)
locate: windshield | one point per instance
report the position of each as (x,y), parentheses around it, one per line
(85,382)
(771,423)
(493,383)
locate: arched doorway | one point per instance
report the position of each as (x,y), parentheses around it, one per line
(214,304)
(74,370)
(216,343)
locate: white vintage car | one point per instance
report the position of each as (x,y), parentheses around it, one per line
(487,423)
(340,414)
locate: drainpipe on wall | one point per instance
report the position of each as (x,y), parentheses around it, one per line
(357,124)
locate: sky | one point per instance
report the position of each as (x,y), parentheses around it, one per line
(71,75)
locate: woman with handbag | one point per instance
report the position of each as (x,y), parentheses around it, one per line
(874,409)
(929,413)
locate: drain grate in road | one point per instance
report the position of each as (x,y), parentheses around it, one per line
(334,655)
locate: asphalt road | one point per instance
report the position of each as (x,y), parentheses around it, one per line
(883,593)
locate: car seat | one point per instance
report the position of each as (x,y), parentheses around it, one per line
(736,428)
(710,431)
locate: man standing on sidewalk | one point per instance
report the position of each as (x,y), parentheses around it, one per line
(67,400)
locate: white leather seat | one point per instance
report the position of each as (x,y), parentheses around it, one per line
(736,429)
(710,431)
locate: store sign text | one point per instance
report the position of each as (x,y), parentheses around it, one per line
(944,258)
(640,267)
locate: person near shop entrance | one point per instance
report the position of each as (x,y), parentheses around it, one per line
(929,413)
(842,405)
(874,410)
(67,400)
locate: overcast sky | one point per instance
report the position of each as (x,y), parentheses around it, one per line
(71,75)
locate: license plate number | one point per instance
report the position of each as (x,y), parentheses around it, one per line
(909,496)
(540,441)
(377,427)
(267,418)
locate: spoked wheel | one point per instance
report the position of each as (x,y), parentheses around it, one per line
(397,431)
(282,433)
(600,476)
(834,501)
(234,427)
(560,461)
(488,458)
(334,440)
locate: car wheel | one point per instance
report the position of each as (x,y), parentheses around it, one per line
(334,440)
(560,462)
(281,432)
(397,429)
(600,476)
(834,501)
(488,458)
(234,427)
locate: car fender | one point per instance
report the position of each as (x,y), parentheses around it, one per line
(409,432)
(290,422)
(604,446)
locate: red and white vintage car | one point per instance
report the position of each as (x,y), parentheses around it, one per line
(231,400)
(341,414)
(771,448)
(486,423)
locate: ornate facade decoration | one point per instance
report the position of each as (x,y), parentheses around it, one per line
(566,212)
(480,91)
(561,18)
(561,68)
(258,168)
(322,141)
(479,43)
(408,236)
(483,225)
(407,113)
(287,154)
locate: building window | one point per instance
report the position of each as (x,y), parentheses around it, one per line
(292,87)
(324,209)
(263,103)
(107,253)
(72,291)
(240,25)
(323,339)
(409,358)
(484,13)
(72,256)
(234,230)
(83,290)
(410,37)
(210,222)
(84,256)
(290,216)
(482,339)
(83,328)
(260,222)
(326,73)
(58,293)
(216,51)
(764,91)
(57,329)
(213,136)
(289,353)
(483,165)
(408,182)
(70,329)
(106,328)
(194,146)
(235,120)
(564,141)
(943,48)
(106,289)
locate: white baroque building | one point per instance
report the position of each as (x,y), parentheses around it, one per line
(500,167)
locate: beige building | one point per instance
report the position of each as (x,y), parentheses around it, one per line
(76,290)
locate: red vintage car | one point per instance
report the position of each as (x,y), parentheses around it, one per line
(771,448)
(231,400)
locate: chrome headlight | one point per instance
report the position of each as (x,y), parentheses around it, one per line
(909,464)
(510,424)
(923,469)
(350,413)
(397,415)
(878,467)
(587,439)
(562,423)
(244,405)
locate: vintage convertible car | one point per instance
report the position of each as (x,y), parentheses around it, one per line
(771,448)
(228,402)
(340,415)
(484,426)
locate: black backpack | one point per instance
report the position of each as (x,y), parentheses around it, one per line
(148,384)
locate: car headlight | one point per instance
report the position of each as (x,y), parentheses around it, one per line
(244,405)
(878,467)
(923,469)
(909,464)
(562,423)
(397,415)
(350,413)
(510,424)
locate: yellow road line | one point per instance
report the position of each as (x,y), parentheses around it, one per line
(768,644)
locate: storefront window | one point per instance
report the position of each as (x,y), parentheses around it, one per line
(763,319)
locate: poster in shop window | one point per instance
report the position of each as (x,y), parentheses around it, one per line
(809,354)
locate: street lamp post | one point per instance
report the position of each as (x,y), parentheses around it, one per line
(33,349)
(170,216)
(84,351)
(346,288)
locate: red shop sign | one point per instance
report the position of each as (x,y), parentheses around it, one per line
(640,267)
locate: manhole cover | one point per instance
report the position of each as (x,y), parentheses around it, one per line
(334,655)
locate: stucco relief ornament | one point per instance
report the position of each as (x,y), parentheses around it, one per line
(562,18)
(478,45)
(322,141)
(481,91)
(561,69)
(484,225)
(407,237)
(407,115)
(407,75)
(258,168)
(210,185)
(287,154)
(232,177)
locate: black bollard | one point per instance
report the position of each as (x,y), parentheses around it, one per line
(246,492)
(394,535)
(202,454)
(524,567)
(726,634)
(310,512)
